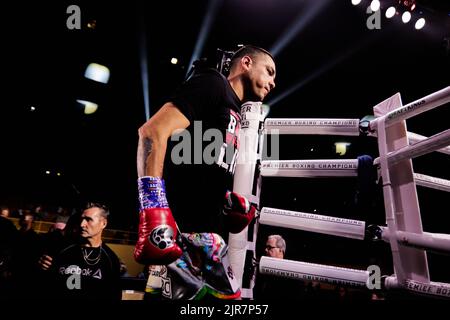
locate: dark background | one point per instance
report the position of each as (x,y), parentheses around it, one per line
(343,67)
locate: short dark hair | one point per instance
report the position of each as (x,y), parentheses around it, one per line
(248,50)
(103,208)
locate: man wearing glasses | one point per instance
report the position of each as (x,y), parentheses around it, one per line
(275,246)
(270,287)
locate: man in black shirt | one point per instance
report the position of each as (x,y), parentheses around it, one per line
(8,243)
(87,268)
(199,167)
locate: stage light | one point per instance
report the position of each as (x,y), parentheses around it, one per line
(92,24)
(97,72)
(409,4)
(356,2)
(406,16)
(174,61)
(375,5)
(390,12)
(89,107)
(341,147)
(32,108)
(420,23)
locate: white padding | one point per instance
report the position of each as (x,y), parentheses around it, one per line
(313,272)
(430,289)
(335,226)
(243,180)
(340,127)
(310,168)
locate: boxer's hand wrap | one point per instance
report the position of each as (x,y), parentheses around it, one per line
(157,228)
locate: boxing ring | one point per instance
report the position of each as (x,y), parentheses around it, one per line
(403,230)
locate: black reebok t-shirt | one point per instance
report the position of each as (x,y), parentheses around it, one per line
(199,164)
(87,273)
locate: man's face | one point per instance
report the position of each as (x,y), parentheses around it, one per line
(92,223)
(262,76)
(5,213)
(26,221)
(272,250)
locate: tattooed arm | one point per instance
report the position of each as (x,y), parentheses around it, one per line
(153,136)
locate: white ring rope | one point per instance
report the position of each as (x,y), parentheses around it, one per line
(432,182)
(309,168)
(313,272)
(338,127)
(414,138)
(414,108)
(336,226)
(404,234)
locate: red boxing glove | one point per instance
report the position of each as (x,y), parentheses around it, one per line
(238,212)
(157,238)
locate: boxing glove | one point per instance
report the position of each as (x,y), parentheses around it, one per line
(157,237)
(238,212)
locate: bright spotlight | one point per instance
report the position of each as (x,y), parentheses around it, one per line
(89,107)
(97,72)
(420,23)
(174,61)
(406,16)
(356,2)
(375,5)
(341,147)
(390,12)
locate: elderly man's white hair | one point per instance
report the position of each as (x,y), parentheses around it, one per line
(279,241)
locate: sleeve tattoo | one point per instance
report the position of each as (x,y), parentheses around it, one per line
(144,150)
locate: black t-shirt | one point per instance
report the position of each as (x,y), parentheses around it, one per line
(198,173)
(87,273)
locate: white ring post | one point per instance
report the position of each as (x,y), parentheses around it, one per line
(244,177)
(400,195)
